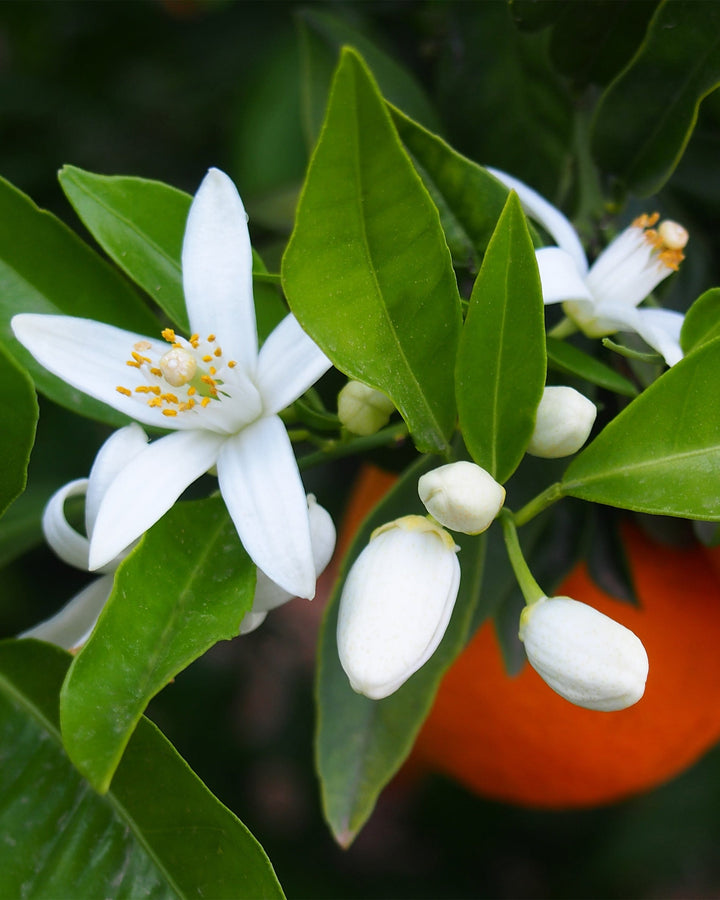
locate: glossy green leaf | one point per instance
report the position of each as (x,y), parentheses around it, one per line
(644,120)
(140,225)
(361,743)
(322,36)
(46,268)
(590,42)
(468,198)
(502,99)
(570,360)
(18,430)
(187,586)
(702,321)
(501,369)
(158,833)
(367,271)
(662,452)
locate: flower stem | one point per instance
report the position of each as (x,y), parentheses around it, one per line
(535,506)
(331,449)
(531,590)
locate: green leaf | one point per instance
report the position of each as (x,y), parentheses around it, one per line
(570,360)
(589,41)
(467,196)
(46,268)
(322,36)
(361,743)
(158,833)
(367,271)
(18,431)
(661,454)
(500,372)
(187,586)
(644,120)
(140,225)
(702,321)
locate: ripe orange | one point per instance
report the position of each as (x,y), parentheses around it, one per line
(513,739)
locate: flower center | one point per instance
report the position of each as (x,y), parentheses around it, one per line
(667,240)
(196,369)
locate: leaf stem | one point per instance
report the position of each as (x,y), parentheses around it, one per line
(531,590)
(333,449)
(539,503)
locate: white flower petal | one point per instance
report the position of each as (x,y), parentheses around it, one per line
(261,486)
(659,328)
(72,625)
(217,269)
(72,547)
(118,449)
(91,356)
(251,621)
(560,277)
(289,363)
(147,487)
(553,221)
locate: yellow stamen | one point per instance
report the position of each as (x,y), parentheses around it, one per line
(204,402)
(211,338)
(155,371)
(207,358)
(169,398)
(142,345)
(169,412)
(140,359)
(131,362)
(232,364)
(191,391)
(168,334)
(123,390)
(217,352)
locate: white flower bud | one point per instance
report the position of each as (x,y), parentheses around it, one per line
(461,496)
(269,595)
(564,421)
(362,409)
(585,656)
(396,604)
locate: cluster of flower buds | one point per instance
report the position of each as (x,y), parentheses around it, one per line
(401,590)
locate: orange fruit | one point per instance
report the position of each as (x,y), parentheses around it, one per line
(513,739)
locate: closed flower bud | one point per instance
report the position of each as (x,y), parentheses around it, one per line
(564,421)
(362,409)
(461,496)
(585,656)
(396,604)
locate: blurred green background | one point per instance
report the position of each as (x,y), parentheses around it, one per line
(167,89)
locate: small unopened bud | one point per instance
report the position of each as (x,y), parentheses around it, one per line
(461,496)
(362,409)
(585,656)
(269,595)
(564,421)
(396,604)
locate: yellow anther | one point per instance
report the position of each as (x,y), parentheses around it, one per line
(155,371)
(168,334)
(142,345)
(169,398)
(217,351)
(155,389)
(191,390)
(645,220)
(204,402)
(211,338)
(169,412)
(154,401)
(123,390)
(133,363)
(232,364)
(207,358)
(194,338)
(140,359)
(178,366)
(212,370)
(142,389)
